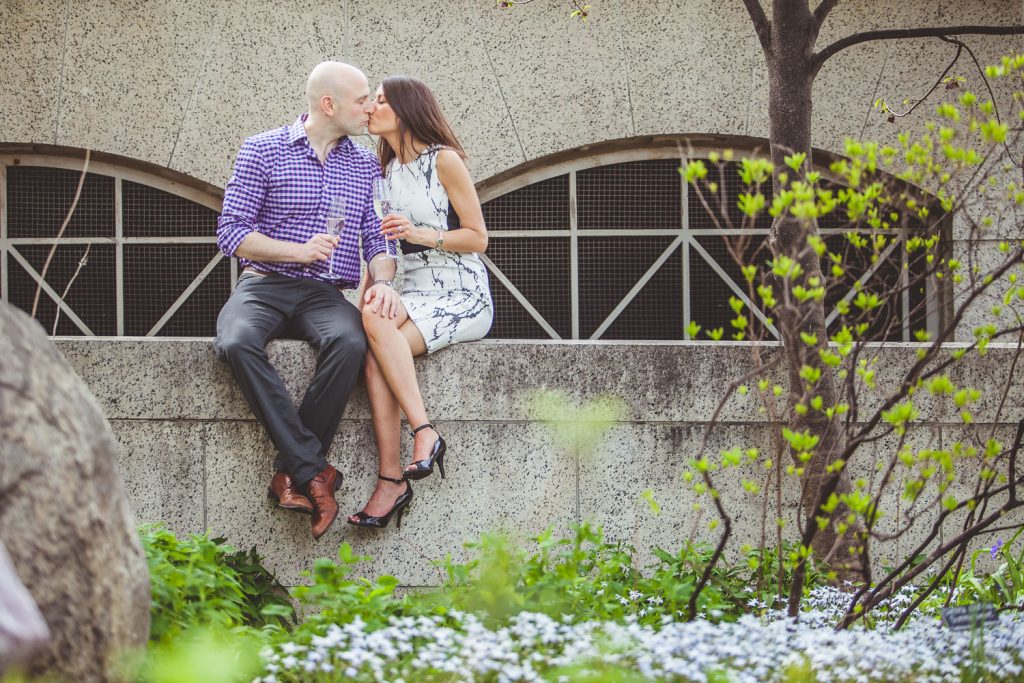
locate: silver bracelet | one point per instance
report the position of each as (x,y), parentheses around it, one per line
(389,283)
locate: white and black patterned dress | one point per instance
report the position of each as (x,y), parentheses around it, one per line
(446,293)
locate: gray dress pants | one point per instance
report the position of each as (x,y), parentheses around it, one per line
(266,307)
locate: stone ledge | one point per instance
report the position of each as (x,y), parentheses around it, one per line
(192,455)
(165,378)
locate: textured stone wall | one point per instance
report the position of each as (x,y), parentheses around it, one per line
(192,455)
(180,84)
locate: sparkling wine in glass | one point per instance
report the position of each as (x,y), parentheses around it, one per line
(335,223)
(382,207)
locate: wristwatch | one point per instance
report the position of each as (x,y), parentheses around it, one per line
(440,240)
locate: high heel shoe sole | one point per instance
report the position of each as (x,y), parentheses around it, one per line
(397,512)
(417,474)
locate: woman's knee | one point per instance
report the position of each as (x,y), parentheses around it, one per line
(374,324)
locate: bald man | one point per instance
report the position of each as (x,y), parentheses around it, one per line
(293,273)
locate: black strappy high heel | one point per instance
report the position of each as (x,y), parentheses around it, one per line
(399,508)
(424,468)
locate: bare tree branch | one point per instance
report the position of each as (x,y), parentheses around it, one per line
(81,264)
(761,24)
(959,50)
(904,33)
(60,233)
(822,11)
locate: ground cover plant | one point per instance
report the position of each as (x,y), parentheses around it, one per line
(573,608)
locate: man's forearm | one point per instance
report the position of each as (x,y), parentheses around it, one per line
(258,247)
(382,268)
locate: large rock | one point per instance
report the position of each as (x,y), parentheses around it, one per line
(63,513)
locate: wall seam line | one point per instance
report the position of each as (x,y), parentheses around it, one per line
(629,77)
(874,94)
(501,92)
(753,76)
(200,71)
(63,69)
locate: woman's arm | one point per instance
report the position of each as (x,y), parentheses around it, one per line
(454,177)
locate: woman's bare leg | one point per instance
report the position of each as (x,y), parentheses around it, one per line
(394,343)
(387,427)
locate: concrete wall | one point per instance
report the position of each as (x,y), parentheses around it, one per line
(193,456)
(180,84)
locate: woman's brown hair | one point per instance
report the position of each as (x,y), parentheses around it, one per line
(419,116)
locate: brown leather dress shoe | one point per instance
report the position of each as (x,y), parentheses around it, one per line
(321,490)
(283,489)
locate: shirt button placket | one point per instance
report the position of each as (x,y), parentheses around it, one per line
(325,198)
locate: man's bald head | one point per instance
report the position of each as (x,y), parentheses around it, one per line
(339,99)
(335,79)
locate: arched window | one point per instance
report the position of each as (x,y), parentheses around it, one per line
(611,244)
(138,257)
(602,243)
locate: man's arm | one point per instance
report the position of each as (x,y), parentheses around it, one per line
(381,295)
(258,247)
(243,198)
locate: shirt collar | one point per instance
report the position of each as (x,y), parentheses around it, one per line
(297,132)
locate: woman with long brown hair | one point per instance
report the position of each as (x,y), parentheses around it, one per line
(445,296)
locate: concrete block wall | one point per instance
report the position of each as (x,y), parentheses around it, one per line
(193,456)
(180,84)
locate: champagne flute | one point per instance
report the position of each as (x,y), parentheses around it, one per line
(335,223)
(382,207)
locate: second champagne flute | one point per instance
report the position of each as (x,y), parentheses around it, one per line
(382,207)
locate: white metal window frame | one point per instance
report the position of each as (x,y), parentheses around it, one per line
(9,245)
(686,240)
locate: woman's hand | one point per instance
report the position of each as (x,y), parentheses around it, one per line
(396,226)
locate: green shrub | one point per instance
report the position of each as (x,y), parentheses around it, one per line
(334,598)
(201,581)
(585,575)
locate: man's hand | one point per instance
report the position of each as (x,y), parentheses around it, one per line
(318,248)
(382,299)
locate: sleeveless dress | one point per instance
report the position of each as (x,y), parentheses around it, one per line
(446,294)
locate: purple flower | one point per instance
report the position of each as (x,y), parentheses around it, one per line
(994,550)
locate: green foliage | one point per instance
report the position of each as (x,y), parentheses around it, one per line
(201,581)
(1005,586)
(585,575)
(579,575)
(576,427)
(335,598)
(207,653)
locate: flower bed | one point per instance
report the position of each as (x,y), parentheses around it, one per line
(535,647)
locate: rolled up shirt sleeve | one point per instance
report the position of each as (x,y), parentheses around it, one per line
(373,241)
(243,197)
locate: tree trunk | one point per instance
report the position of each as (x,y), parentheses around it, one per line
(791,73)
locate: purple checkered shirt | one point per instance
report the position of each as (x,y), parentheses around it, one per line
(280,189)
